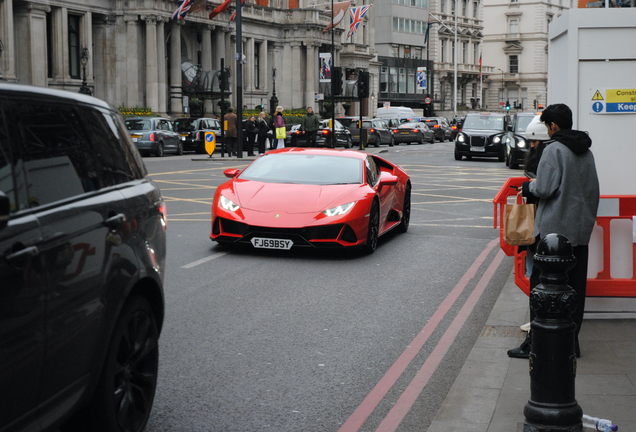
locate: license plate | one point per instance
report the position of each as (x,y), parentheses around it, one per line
(134,139)
(478,149)
(184,135)
(404,133)
(265,243)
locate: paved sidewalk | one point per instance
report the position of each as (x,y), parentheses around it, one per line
(492,389)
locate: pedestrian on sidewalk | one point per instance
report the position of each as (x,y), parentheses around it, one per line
(279,122)
(263,129)
(309,126)
(252,131)
(568,191)
(231,132)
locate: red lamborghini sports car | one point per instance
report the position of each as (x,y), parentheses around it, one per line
(312,198)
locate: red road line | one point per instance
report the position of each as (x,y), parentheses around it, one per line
(360,415)
(412,392)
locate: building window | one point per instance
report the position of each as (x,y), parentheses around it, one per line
(474,94)
(257,66)
(410,79)
(393,80)
(401,24)
(395,24)
(74,46)
(402,82)
(475,10)
(476,53)
(464,6)
(384,72)
(514,64)
(442,6)
(513,26)
(418,27)
(465,52)
(417,52)
(453,52)
(442,55)
(453,7)
(407,51)
(396,50)
(49,44)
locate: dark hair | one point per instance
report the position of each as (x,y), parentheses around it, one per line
(559,114)
(533,156)
(230,109)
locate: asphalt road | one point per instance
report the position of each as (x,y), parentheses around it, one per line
(297,341)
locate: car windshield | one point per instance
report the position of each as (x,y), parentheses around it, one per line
(305,169)
(523,122)
(367,125)
(138,125)
(489,122)
(185,125)
(409,125)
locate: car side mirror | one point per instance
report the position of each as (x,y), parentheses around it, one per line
(5,209)
(387,179)
(231,172)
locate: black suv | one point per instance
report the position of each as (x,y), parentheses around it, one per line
(82,258)
(482,135)
(192,131)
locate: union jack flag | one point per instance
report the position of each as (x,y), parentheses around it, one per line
(182,10)
(186,6)
(233,17)
(356,15)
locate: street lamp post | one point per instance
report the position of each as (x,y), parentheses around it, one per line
(84,56)
(273,101)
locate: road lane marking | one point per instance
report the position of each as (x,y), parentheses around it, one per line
(360,415)
(204,260)
(171,199)
(414,389)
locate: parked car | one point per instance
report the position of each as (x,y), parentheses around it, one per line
(323,137)
(192,131)
(483,135)
(82,260)
(416,132)
(516,144)
(440,126)
(154,135)
(379,132)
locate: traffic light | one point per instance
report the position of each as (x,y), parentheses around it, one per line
(539,106)
(224,79)
(336,81)
(363,84)
(507,105)
(535,104)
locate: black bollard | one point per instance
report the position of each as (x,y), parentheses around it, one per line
(552,406)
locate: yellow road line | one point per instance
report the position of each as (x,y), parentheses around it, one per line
(167,198)
(198,170)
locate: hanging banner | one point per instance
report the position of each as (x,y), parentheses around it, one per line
(421,78)
(325,67)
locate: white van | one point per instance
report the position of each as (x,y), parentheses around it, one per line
(399,112)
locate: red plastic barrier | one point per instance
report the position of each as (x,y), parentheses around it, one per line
(603,285)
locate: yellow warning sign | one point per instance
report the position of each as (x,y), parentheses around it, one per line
(597,96)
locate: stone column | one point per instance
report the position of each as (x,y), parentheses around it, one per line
(7,58)
(219,47)
(104,55)
(176,101)
(161,65)
(152,77)
(30,26)
(249,56)
(230,49)
(297,79)
(285,84)
(264,71)
(206,62)
(311,67)
(132,64)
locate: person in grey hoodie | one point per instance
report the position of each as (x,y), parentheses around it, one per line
(568,191)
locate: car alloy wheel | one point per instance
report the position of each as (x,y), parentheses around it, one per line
(124,396)
(406,210)
(180,149)
(374,227)
(421,138)
(159,151)
(457,155)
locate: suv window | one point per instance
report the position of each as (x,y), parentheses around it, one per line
(52,150)
(7,184)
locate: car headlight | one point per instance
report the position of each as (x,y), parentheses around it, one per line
(496,139)
(182,138)
(228,204)
(461,138)
(521,144)
(339,210)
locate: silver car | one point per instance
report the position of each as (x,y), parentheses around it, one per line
(154,135)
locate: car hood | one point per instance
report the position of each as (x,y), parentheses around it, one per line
(289,198)
(481,132)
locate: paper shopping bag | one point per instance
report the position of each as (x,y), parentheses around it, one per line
(519,224)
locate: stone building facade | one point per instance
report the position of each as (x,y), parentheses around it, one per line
(138,56)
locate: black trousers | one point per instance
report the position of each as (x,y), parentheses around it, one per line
(261,143)
(231,144)
(577,279)
(310,138)
(251,140)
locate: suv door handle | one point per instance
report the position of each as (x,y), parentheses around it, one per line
(23,255)
(115,221)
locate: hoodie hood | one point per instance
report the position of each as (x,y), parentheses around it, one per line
(577,141)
